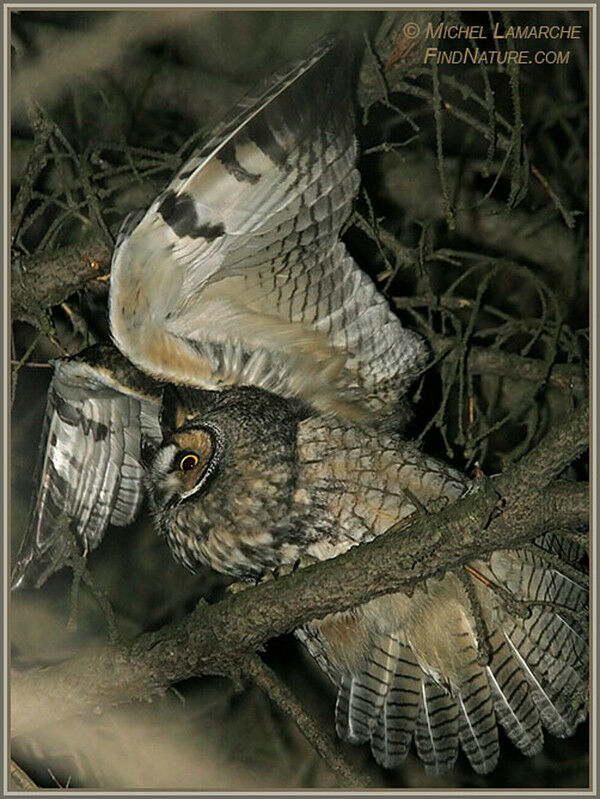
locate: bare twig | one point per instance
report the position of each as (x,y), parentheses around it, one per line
(483,360)
(503,142)
(320,739)
(536,237)
(38,158)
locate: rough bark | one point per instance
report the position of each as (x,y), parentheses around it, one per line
(47,278)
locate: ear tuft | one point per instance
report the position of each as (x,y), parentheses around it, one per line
(180,403)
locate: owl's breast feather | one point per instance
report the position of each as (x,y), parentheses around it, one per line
(240,527)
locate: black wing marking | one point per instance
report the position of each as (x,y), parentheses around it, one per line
(236,273)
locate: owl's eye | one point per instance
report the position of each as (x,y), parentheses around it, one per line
(196,458)
(188,461)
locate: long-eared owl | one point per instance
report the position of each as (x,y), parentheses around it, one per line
(267,374)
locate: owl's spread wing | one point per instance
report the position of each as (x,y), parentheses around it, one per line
(99,412)
(236,273)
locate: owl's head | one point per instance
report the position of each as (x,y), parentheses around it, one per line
(211,433)
(224,470)
(192,449)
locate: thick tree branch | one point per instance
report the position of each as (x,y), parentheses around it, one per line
(546,461)
(497,513)
(569,502)
(47,278)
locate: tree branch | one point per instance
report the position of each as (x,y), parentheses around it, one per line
(413,185)
(36,163)
(45,279)
(560,447)
(484,360)
(569,502)
(497,513)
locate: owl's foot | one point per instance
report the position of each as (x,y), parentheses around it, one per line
(273,574)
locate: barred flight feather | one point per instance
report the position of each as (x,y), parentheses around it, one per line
(436,736)
(568,550)
(393,732)
(477,728)
(312,639)
(536,675)
(358,704)
(543,687)
(99,412)
(513,703)
(235,273)
(368,692)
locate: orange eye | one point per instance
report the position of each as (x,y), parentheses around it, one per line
(188,461)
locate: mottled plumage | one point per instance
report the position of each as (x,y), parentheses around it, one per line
(406,666)
(284,367)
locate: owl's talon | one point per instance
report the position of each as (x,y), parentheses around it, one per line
(235,588)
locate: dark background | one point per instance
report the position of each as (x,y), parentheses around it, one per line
(472,217)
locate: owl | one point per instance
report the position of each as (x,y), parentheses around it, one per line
(254,392)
